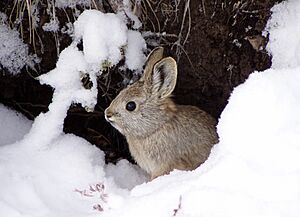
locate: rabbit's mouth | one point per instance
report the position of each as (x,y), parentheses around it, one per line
(110,119)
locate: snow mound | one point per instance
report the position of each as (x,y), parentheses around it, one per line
(284,29)
(13,126)
(42,182)
(49,173)
(268,120)
(122,170)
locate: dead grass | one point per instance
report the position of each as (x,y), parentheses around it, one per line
(21,10)
(170,12)
(23,18)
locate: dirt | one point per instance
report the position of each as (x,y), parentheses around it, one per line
(218,54)
(223,47)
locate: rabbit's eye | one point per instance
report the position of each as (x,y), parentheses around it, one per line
(130,106)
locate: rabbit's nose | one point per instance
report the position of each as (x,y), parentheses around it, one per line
(108,114)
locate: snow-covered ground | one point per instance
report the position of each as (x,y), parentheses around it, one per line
(13,126)
(253,171)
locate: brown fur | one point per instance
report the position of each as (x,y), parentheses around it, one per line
(162,136)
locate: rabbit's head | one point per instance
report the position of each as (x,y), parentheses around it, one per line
(142,108)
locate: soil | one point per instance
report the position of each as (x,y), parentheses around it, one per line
(218,54)
(224,45)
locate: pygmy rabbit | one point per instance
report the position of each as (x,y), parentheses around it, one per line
(162,136)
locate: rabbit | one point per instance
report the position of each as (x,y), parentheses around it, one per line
(162,136)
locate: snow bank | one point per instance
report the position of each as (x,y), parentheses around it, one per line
(284,44)
(253,171)
(13,126)
(49,173)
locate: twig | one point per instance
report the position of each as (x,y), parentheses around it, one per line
(179,207)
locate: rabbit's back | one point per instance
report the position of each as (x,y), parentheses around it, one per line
(183,142)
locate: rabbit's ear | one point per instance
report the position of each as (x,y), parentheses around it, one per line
(164,76)
(155,56)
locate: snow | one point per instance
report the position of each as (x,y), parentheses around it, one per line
(13,126)
(52,26)
(113,172)
(13,52)
(99,47)
(72,3)
(253,171)
(127,7)
(285,52)
(92,27)
(136,46)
